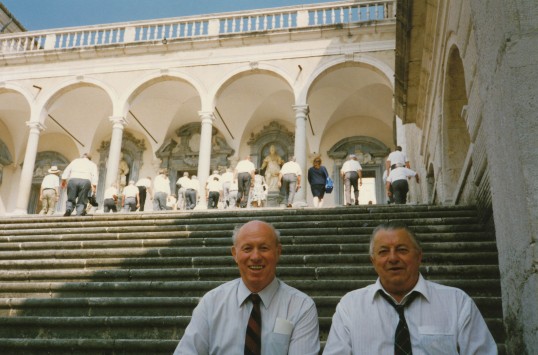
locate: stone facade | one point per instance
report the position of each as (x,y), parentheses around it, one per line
(466,92)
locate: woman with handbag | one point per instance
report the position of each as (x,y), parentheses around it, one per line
(317,178)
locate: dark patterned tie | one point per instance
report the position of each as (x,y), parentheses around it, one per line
(253,339)
(402,339)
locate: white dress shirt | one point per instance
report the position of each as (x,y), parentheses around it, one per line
(161,183)
(441,320)
(400,174)
(219,322)
(245,166)
(291,167)
(351,165)
(81,168)
(397,157)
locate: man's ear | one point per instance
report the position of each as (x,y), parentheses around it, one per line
(234,253)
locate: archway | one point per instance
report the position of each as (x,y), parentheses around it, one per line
(456,135)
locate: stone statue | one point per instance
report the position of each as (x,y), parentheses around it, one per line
(272,164)
(123,170)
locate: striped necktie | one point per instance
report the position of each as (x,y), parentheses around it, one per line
(402,338)
(253,339)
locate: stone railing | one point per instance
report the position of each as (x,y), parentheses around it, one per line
(192,27)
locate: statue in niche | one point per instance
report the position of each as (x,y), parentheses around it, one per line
(123,170)
(272,164)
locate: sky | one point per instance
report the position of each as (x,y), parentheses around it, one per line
(48,14)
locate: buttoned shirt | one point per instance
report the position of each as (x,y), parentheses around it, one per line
(245,166)
(161,183)
(50,181)
(110,192)
(144,182)
(219,322)
(291,167)
(130,191)
(400,174)
(81,168)
(441,320)
(397,157)
(183,181)
(351,165)
(214,185)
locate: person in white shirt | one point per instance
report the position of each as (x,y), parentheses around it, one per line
(244,174)
(396,159)
(182,183)
(213,192)
(80,177)
(110,198)
(50,191)
(289,178)
(131,197)
(144,189)
(397,186)
(439,319)
(351,173)
(289,320)
(226,179)
(161,190)
(192,189)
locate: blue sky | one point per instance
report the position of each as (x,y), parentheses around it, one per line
(47,14)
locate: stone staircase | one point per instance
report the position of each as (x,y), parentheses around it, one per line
(127,283)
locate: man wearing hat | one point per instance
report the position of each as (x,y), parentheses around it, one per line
(50,191)
(352,174)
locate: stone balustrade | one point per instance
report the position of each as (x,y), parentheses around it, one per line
(204,26)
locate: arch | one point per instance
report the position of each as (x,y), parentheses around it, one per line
(246,69)
(149,79)
(52,94)
(19,89)
(382,67)
(456,137)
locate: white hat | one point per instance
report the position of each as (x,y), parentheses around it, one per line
(53,170)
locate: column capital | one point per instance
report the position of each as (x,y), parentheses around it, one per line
(301,109)
(118,120)
(36,125)
(206,115)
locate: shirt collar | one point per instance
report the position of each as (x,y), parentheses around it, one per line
(421,287)
(266,294)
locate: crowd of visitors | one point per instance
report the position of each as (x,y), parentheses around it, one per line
(241,187)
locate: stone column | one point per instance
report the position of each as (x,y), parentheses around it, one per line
(204,158)
(114,153)
(300,151)
(27,174)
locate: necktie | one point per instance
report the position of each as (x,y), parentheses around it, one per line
(402,339)
(253,339)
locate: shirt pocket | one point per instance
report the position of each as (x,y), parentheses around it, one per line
(278,343)
(435,340)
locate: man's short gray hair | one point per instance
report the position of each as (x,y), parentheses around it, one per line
(392,226)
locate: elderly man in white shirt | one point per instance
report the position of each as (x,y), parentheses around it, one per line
(396,159)
(435,319)
(351,173)
(244,174)
(80,177)
(222,321)
(161,190)
(289,178)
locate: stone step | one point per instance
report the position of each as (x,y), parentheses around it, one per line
(90,346)
(334,272)
(157,306)
(164,257)
(183,239)
(198,288)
